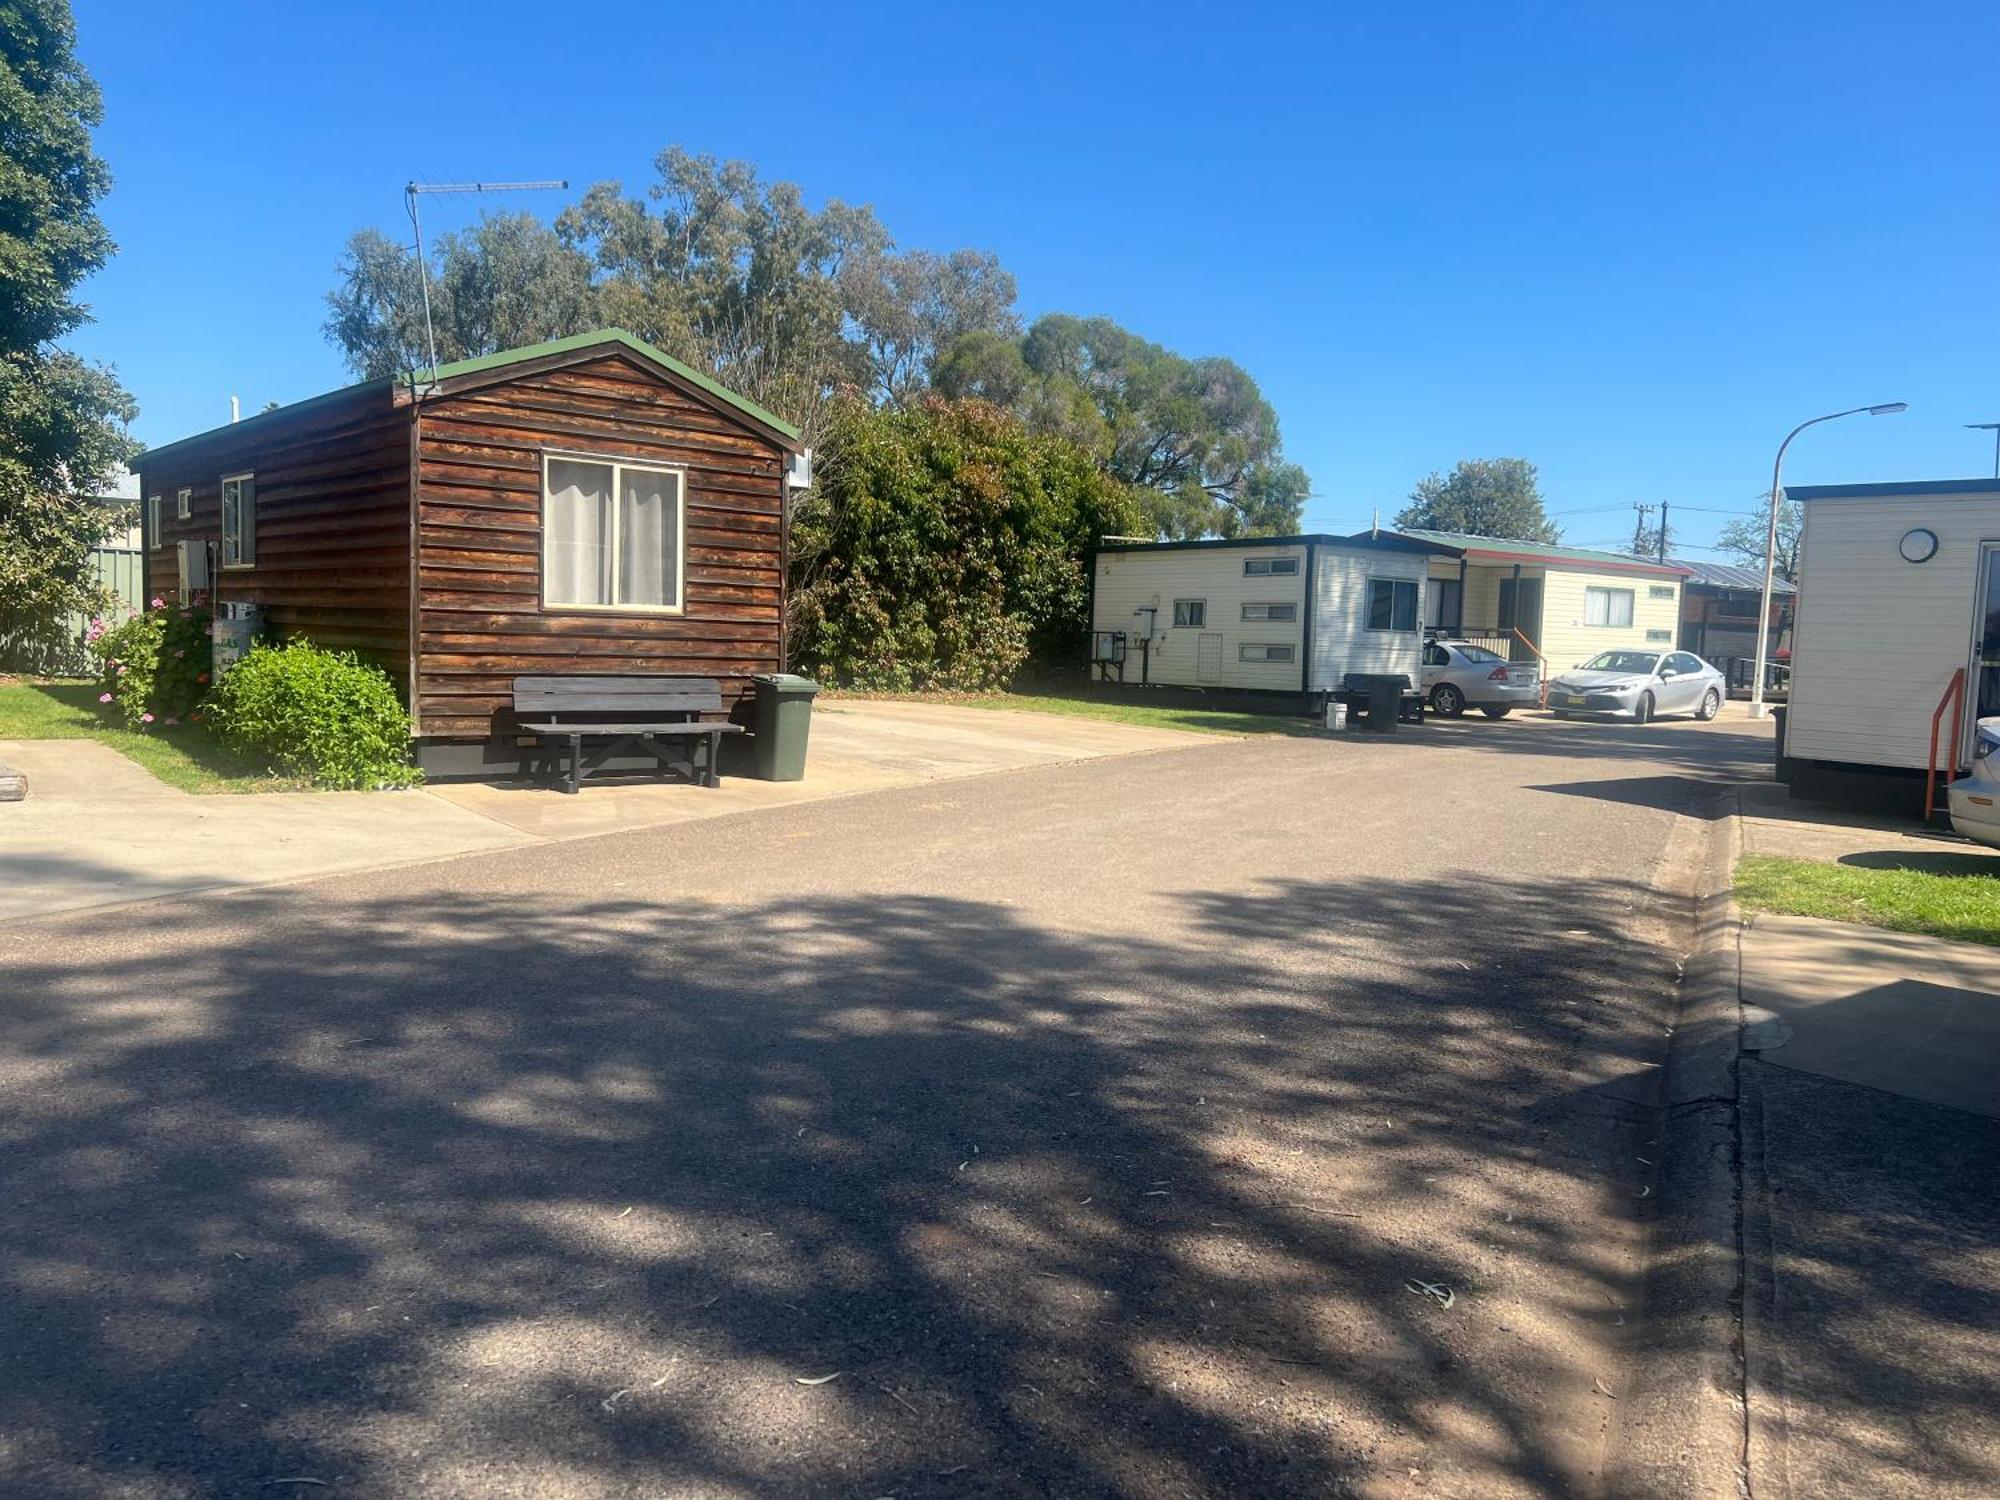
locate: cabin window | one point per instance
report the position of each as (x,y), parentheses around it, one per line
(239,520)
(184,505)
(1191,614)
(1611,607)
(1253,651)
(1272,612)
(1392,604)
(152,520)
(1267,567)
(1659,591)
(612,536)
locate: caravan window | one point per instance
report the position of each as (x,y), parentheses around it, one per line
(1252,651)
(1263,567)
(1191,614)
(1392,604)
(611,536)
(1611,607)
(1271,612)
(239,520)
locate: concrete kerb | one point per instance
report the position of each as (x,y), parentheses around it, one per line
(1682,1428)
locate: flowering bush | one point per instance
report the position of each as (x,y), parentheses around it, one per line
(155,665)
(324,715)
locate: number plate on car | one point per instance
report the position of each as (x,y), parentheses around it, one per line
(1577,700)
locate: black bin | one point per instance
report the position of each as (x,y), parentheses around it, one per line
(1382,695)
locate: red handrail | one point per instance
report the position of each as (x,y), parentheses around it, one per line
(1541,669)
(1954,694)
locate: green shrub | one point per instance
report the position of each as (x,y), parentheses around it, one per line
(154,668)
(326,716)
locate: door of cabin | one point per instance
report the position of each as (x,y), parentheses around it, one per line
(1984,696)
(1208,657)
(1521,609)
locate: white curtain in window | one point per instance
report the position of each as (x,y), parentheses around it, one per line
(576,544)
(649,539)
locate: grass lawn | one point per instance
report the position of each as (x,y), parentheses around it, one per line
(186,757)
(1146,715)
(1945,895)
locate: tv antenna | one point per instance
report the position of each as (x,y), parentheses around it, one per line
(1994,428)
(411,192)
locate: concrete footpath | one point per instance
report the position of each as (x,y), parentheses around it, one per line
(1869,1115)
(97,830)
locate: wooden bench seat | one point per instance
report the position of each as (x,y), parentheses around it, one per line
(646,713)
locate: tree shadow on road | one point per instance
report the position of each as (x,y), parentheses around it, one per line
(471,1194)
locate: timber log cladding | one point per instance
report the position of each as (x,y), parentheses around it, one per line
(480,616)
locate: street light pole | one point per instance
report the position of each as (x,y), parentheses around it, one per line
(1757,705)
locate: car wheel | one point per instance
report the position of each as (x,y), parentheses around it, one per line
(1447,700)
(1642,711)
(1496,710)
(1711,705)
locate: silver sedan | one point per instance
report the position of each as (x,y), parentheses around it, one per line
(1458,675)
(1640,684)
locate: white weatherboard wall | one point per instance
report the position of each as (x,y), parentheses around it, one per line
(1876,638)
(1342,641)
(1126,581)
(1568,642)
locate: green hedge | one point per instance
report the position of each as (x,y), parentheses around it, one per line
(154,668)
(326,716)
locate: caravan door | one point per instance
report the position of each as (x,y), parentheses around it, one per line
(1208,657)
(1985,694)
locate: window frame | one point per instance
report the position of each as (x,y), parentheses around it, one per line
(151,525)
(1271,567)
(1631,597)
(184,505)
(222,504)
(1289,658)
(1290,617)
(1660,591)
(1392,628)
(1180,624)
(617,466)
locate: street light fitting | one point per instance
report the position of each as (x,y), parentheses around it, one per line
(1888,408)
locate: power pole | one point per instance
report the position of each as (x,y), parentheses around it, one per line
(1639,529)
(1663,530)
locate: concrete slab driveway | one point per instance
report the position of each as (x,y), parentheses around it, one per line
(99,831)
(1266,1118)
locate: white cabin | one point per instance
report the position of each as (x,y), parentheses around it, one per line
(1899,589)
(1263,614)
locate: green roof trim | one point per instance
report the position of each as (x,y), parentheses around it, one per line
(596,338)
(633,344)
(1466,541)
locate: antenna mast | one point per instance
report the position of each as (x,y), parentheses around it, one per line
(411,192)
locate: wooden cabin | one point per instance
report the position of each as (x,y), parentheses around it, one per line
(585,505)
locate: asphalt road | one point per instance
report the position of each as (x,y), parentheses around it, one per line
(1072,1132)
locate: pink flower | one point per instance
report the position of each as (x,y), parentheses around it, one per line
(145,718)
(103,697)
(159,603)
(121,671)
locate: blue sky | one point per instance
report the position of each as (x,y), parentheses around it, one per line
(1632,244)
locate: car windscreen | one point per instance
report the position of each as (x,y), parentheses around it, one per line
(1639,663)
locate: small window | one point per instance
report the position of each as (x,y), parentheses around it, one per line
(1392,604)
(1661,635)
(1271,612)
(611,536)
(239,520)
(184,505)
(1608,607)
(1660,591)
(1191,614)
(1252,651)
(1270,567)
(152,520)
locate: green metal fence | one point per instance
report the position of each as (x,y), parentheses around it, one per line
(120,571)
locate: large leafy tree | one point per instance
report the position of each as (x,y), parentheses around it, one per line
(1746,535)
(945,545)
(1487,496)
(1196,436)
(62,419)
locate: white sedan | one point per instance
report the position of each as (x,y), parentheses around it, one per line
(1975,800)
(1639,684)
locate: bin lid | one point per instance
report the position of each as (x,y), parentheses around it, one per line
(787,682)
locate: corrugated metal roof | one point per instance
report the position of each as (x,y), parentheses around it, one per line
(1728,576)
(1541,551)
